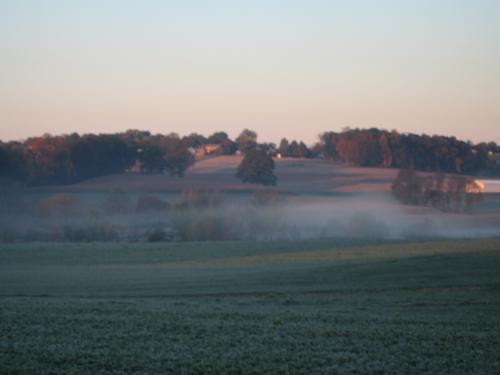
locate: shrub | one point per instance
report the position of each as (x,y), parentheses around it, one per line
(157,235)
(265,197)
(59,205)
(199,198)
(204,226)
(149,203)
(89,232)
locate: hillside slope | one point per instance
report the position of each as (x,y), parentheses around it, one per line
(296,176)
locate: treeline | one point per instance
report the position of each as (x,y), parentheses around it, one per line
(296,149)
(71,158)
(66,159)
(448,193)
(390,149)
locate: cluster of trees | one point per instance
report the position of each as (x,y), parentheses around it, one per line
(295,149)
(453,193)
(71,158)
(381,148)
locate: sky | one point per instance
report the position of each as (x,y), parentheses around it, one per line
(280,67)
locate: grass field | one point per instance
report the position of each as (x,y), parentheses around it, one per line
(303,307)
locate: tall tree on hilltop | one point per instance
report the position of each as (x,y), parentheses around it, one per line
(218,138)
(246,140)
(257,167)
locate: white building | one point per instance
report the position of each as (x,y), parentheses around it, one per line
(490,186)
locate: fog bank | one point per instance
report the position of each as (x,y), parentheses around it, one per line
(204,216)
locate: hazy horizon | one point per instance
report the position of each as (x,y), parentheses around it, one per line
(281,68)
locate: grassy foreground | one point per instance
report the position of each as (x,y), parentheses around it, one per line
(305,307)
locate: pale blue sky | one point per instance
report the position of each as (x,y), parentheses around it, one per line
(292,68)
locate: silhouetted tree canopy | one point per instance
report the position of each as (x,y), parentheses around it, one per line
(294,149)
(381,148)
(70,158)
(257,167)
(228,147)
(284,148)
(452,193)
(218,138)
(194,140)
(177,157)
(246,140)
(152,156)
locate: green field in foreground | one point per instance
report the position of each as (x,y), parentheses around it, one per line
(307,307)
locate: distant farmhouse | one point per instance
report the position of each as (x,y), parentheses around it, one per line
(205,150)
(474,187)
(490,186)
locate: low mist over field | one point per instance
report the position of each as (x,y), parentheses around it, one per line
(138,186)
(201,215)
(314,199)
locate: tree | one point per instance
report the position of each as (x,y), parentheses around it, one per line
(304,152)
(269,148)
(452,193)
(99,155)
(51,160)
(135,135)
(457,193)
(407,187)
(228,147)
(218,138)
(284,148)
(385,150)
(177,156)
(14,163)
(246,140)
(294,149)
(193,140)
(165,153)
(257,167)
(328,142)
(151,155)
(348,150)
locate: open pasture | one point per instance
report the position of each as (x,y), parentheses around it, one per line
(318,306)
(297,176)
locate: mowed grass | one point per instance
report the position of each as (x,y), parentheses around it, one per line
(304,307)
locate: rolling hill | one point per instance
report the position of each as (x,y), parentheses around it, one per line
(295,176)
